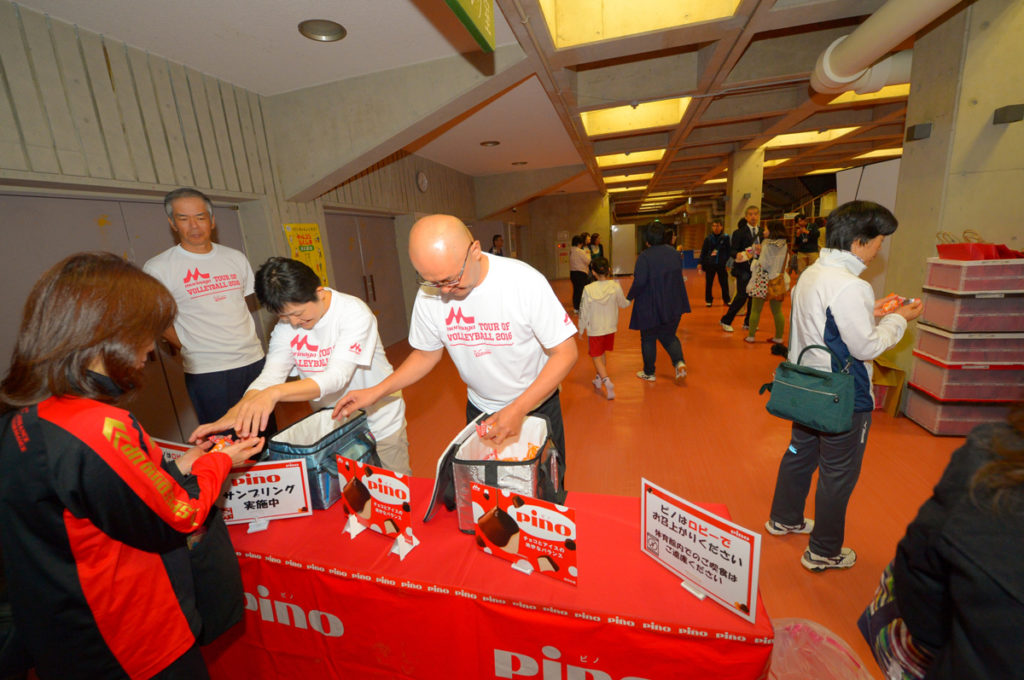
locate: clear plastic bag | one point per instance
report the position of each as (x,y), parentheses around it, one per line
(806,650)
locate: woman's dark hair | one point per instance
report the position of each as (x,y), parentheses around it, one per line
(777,230)
(87,307)
(281,281)
(576,240)
(599,265)
(998,479)
(594,237)
(858,221)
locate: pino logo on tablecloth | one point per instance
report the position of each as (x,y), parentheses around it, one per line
(544,523)
(290,614)
(514,665)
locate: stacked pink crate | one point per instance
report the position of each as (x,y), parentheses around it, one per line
(969,352)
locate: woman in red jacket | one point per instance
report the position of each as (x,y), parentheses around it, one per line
(92,526)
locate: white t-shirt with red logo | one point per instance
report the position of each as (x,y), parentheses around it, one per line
(342,352)
(214,325)
(495,336)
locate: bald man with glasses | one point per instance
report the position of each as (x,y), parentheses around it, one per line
(499,319)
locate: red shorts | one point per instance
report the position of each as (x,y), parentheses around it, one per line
(599,344)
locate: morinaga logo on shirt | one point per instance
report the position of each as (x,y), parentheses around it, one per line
(309,357)
(195,274)
(302,341)
(355,348)
(198,284)
(456,316)
(465,330)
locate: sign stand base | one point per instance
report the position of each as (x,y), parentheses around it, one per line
(403,546)
(257,525)
(352,527)
(694,590)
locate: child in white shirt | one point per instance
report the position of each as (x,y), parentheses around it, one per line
(599,316)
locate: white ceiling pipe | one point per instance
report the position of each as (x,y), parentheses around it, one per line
(848,59)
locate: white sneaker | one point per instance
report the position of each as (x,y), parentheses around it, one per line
(844,560)
(726,327)
(597,383)
(609,388)
(680,370)
(649,377)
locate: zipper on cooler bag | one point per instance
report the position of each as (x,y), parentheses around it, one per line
(835,397)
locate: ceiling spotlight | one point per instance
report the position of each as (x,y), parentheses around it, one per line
(322,30)
(490,142)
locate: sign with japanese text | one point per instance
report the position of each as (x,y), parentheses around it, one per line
(533,534)
(268,490)
(377,497)
(708,551)
(307,247)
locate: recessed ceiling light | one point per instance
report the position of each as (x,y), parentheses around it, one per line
(518,162)
(490,142)
(322,30)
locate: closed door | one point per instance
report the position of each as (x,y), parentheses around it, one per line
(39,231)
(365,261)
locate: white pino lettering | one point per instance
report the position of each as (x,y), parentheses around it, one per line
(290,614)
(544,523)
(509,664)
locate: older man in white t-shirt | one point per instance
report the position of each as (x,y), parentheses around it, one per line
(212,285)
(506,332)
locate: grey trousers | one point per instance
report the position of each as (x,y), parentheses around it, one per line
(837,458)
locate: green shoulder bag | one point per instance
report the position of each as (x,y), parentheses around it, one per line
(820,400)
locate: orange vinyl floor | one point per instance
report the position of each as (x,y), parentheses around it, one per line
(709,439)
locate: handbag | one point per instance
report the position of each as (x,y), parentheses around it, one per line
(777,288)
(820,400)
(320,440)
(758,284)
(529,465)
(886,633)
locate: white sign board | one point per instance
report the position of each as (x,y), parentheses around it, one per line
(269,490)
(708,551)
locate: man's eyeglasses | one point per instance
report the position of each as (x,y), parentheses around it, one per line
(452,282)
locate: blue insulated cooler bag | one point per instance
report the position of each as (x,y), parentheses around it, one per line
(320,439)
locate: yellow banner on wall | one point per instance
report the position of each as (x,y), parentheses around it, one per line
(306,247)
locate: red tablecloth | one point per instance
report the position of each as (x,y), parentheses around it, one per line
(322,605)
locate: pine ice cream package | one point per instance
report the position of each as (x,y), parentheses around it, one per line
(378,497)
(535,535)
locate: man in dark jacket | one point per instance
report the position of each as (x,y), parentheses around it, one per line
(713,256)
(745,242)
(659,302)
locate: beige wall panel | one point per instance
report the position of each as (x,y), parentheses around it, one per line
(262,147)
(106,106)
(12,154)
(131,116)
(189,126)
(235,131)
(28,109)
(159,70)
(573,213)
(80,98)
(147,101)
(48,75)
(201,108)
(252,157)
(220,127)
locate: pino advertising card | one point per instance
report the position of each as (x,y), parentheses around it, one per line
(268,490)
(377,497)
(534,535)
(708,551)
